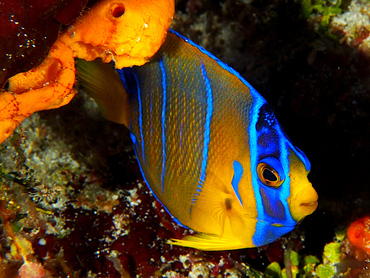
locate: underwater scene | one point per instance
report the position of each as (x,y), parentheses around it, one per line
(92,184)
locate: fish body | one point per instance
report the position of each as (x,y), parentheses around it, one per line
(208,145)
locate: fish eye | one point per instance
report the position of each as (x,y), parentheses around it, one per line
(269,175)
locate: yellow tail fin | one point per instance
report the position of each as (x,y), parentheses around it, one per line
(103,84)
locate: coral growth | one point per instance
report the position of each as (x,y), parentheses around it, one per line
(130,32)
(358,235)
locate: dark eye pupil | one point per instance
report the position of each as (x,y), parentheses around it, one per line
(269,175)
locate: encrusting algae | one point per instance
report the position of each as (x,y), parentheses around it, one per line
(101,32)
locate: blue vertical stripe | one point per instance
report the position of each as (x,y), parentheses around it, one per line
(164,99)
(207,126)
(140,116)
(207,132)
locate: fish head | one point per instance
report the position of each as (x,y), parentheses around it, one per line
(283,194)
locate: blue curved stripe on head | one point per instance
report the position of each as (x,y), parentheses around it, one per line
(303,157)
(164,99)
(253,149)
(238,172)
(284,160)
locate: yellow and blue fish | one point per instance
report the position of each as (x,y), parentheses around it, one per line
(208,145)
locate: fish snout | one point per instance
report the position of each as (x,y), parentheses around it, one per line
(304,203)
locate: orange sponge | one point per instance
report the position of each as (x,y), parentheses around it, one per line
(128,32)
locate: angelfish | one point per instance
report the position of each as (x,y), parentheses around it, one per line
(208,145)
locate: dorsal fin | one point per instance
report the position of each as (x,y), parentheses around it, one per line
(104,85)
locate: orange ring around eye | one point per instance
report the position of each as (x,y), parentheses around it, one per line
(268,175)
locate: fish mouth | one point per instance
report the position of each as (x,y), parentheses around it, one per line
(310,204)
(309,207)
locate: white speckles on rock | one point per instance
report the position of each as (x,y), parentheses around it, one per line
(121,223)
(354,20)
(133,198)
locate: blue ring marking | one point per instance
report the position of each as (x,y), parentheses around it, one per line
(238,172)
(164,89)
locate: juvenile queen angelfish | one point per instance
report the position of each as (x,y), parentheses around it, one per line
(208,145)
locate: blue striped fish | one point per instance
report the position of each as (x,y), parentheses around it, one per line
(208,145)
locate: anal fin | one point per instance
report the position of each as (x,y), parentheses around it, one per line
(208,242)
